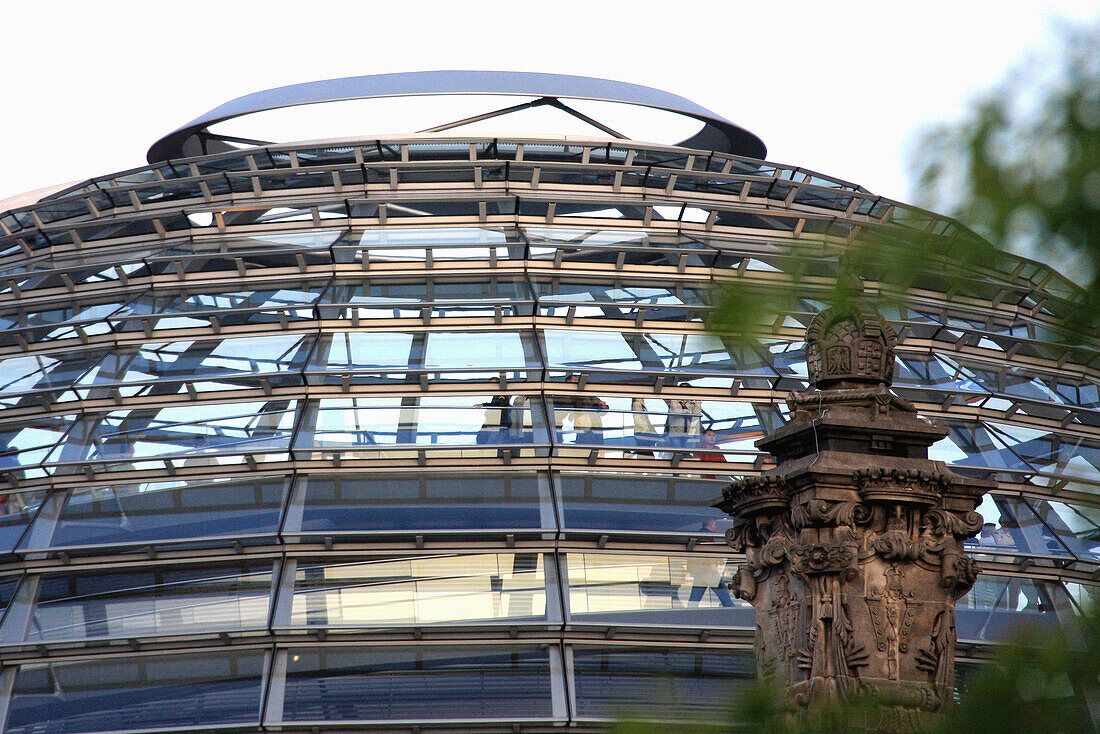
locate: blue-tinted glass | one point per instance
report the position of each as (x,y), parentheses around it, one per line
(24,445)
(8,585)
(391,684)
(644,424)
(369,424)
(142,692)
(391,299)
(1076,526)
(608,351)
(140,603)
(935,371)
(443,243)
(1064,455)
(166,511)
(643,504)
(42,372)
(973,445)
(1011,526)
(16,512)
(263,305)
(999,605)
(212,363)
(366,503)
(197,433)
(658,684)
(368,356)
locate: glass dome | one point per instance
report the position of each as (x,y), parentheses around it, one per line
(423,432)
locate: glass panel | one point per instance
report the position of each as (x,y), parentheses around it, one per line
(372,423)
(641,504)
(446,355)
(1061,454)
(655,590)
(936,371)
(139,692)
(25,444)
(1076,526)
(393,299)
(199,432)
(59,322)
(16,512)
(444,243)
(212,364)
(659,684)
(155,512)
(609,351)
(163,601)
(391,684)
(605,300)
(997,605)
(357,503)
(1011,526)
(232,308)
(667,423)
(973,445)
(420,590)
(41,372)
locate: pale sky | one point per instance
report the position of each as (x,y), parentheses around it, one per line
(837,87)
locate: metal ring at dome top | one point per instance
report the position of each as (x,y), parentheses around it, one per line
(718,134)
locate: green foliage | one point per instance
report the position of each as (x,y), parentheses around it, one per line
(1041,681)
(1023,168)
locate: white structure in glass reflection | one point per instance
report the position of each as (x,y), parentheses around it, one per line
(409,431)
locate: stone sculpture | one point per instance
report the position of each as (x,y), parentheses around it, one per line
(854,542)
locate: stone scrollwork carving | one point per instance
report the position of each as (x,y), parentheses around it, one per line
(854,542)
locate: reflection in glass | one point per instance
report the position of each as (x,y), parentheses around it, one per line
(654,589)
(361,503)
(392,684)
(420,590)
(136,692)
(443,243)
(610,351)
(16,512)
(446,355)
(1076,526)
(25,444)
(974,445)
(197,431)
(643,424)
(642,504)
(562,298)
(659,684)
(41,372)
(215,364)
(997,605)
(396,299)
(371,422)
(1011,526)
(163,601)
(1060,454)
(66,321)
(263,305)
(152,512)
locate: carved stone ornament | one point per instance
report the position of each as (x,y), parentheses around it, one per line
(853,544)
(850,345)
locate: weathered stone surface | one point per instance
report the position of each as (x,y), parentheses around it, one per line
(854,542)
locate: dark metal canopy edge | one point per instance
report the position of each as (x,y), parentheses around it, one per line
(718,134)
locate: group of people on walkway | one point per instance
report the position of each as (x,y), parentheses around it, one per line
(510,422)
